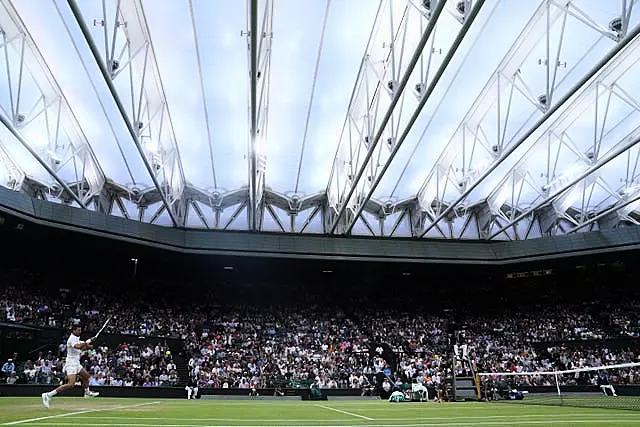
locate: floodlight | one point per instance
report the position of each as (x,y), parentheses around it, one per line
(542,100)
(616,25)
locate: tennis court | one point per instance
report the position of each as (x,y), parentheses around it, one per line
(201,413)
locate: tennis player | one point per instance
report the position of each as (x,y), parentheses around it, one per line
(72,367)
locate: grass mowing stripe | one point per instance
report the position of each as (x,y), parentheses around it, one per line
(488,423)
(344,412)
(69,414)
(239,420)
(330,420)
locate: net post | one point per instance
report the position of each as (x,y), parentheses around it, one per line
(555,374)
(478,386)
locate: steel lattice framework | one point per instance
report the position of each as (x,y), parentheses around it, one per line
(546,142)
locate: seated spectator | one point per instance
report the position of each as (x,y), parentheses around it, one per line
(7,369)
(12,378)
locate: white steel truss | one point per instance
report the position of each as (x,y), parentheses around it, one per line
(37,115)
(398,50)
(129,66)
(260,34)
(488,134)
(426,88)
(563,189)
(505,173)
(12,174)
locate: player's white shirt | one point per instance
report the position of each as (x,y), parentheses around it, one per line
(73,354)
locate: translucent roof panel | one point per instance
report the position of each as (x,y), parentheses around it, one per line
(443,119)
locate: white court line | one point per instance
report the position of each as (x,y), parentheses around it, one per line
(481,423)
(280,420)
(240,420)
(344,412)
(69,414)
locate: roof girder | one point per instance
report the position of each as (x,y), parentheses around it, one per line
(376,84)
(15,175)
(563,185)
(37,106)
(409,210)
(147,119)
(468,176)
(428,86)
(260,35)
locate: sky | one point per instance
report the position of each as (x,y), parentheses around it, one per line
(209,148)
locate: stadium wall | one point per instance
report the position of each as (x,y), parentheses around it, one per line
(283,245)
(26,390)
(31,390)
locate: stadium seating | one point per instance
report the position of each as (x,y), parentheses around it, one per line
(240,345)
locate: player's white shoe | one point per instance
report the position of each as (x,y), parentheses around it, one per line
(45,400)
(90,393)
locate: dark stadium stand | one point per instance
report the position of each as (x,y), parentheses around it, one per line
(342,326)
(269,335)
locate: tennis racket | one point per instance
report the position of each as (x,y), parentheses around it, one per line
(102,329)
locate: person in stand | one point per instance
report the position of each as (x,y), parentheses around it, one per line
(7,369)
(72,367)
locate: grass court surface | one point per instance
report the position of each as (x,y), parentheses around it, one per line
(201,413)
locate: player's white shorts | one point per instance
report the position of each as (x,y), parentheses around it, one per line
(72,368)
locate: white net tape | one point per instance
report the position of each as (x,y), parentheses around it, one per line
(568,371)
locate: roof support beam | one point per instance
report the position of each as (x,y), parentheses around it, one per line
(200,214)
(608,213)
(624,147)
(253,115)
(362,111)
(424,97)
(235,214)
(259,63)
(310,218)
(543,168)
(14,175)
(275,217)
(561,187)
(37,105)
(550,111)
(44,164)
(149,122)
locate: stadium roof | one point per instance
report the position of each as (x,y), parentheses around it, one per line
(444,119)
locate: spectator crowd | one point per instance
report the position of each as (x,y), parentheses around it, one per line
(363,346)
(127,364)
